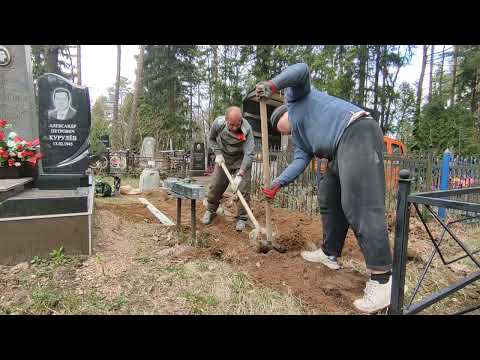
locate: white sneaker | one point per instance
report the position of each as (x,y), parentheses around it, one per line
(376,296)
(318,256)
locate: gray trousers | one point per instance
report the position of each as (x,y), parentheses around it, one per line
(219,184)
(352,193)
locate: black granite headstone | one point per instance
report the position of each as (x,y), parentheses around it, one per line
(64,126)
(198,159)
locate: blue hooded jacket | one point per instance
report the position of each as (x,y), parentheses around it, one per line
(317,120)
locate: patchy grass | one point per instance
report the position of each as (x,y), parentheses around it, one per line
(45,298)
(214,287)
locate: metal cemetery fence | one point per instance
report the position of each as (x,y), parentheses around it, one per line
(464,204)
(426,173)
(301,195)
(169,163)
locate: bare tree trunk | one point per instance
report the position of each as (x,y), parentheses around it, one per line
(52,59)
(214,77)
(210,91)
(384,94)
(441,72)
(79,64)
(377,72)
(200,117)
(454,76)
(362,57)
(390,100)
(116,125)
(474,102)
(172,85)
(340,59)
(136,94)
(431,74)
(69,54)
(420,81)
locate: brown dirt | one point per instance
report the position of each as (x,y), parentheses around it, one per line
(317,287)
(131,212)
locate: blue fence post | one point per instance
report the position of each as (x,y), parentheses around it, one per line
(445,173)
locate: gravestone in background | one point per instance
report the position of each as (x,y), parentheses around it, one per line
(148,151)
(17,102)
(148,147)
(198,160)
(64,126)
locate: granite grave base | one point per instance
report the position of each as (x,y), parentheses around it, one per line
(61,181)
(33,222)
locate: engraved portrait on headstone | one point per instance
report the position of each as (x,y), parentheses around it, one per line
(64,125)
(62,101)
(4,56)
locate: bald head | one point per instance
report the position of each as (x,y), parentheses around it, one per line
(233,118)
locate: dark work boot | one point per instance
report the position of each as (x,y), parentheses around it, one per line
(208,217)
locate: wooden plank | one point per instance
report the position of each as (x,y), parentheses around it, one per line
(165,220)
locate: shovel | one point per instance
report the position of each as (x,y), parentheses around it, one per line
(255,236)
(258,236)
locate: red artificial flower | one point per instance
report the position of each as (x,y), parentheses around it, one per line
(27,153)
(2,136)
(17,139)
(35,142)
(19,147)
(11,162)
(33,160)
(3,122)
(4,154)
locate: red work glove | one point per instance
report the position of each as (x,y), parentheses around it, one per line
(271,192)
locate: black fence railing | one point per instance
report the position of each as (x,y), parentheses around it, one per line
(463,205)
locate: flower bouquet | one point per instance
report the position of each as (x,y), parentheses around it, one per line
(18,157)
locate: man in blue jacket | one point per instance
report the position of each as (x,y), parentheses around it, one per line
(352,190)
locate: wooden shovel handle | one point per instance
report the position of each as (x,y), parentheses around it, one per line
(242,199)
(266,167)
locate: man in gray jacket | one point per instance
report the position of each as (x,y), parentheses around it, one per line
(352,190)
(231,138)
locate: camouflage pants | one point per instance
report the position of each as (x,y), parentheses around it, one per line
(219,184)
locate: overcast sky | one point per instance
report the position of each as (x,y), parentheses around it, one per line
(99,67)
